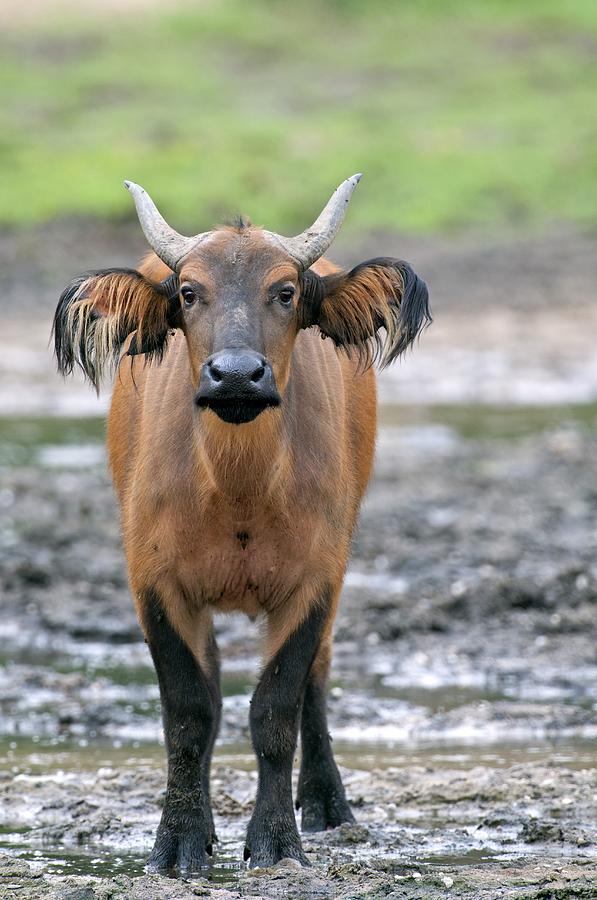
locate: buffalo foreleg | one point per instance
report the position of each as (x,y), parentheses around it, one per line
(274,718)
(190,696)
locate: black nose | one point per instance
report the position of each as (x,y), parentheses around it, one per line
(233,370)
(237,384)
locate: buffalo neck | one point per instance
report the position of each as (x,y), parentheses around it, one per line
(246,463)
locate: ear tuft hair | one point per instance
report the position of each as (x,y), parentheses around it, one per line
(98,311)
(351,308)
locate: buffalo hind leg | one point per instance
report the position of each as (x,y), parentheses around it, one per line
(190,712)
(212,654)
(320,796)
(274,718)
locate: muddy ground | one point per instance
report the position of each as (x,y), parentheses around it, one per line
(464,694)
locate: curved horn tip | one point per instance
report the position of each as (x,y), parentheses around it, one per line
(348,186)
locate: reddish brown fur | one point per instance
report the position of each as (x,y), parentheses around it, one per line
(293,480)
(355,311)
(240,463)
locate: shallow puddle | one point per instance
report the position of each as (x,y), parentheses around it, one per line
(55,758)
(61,861)
(105,863)
(472,858)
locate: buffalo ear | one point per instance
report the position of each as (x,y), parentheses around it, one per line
(352,307)
(149,344)
(99,310)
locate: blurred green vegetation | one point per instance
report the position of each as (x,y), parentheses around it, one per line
(462,114)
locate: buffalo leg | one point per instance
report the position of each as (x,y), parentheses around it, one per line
(213,679)
(190,712)
(320,796)
(274,718)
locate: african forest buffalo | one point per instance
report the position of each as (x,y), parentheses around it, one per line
(240,457)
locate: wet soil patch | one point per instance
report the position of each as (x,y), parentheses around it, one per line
(462,702)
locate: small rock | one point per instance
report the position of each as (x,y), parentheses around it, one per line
(350,833)
(535,831)
(82,893)
(288,863)
(11,866)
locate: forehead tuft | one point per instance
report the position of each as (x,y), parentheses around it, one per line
(237,223)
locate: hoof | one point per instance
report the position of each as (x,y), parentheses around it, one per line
(318,813)
(268,844)
(183,852)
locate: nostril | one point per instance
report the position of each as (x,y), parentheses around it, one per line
(214,373)
(258,374)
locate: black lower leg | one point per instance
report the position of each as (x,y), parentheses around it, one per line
(213,660)
(275,710)
(190,716)
(320,795)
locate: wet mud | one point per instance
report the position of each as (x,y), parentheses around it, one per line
(463,702)
(463,699)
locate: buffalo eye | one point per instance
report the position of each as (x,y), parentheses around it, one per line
(285,295)
(188,295)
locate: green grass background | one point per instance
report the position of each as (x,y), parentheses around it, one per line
(463,114)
